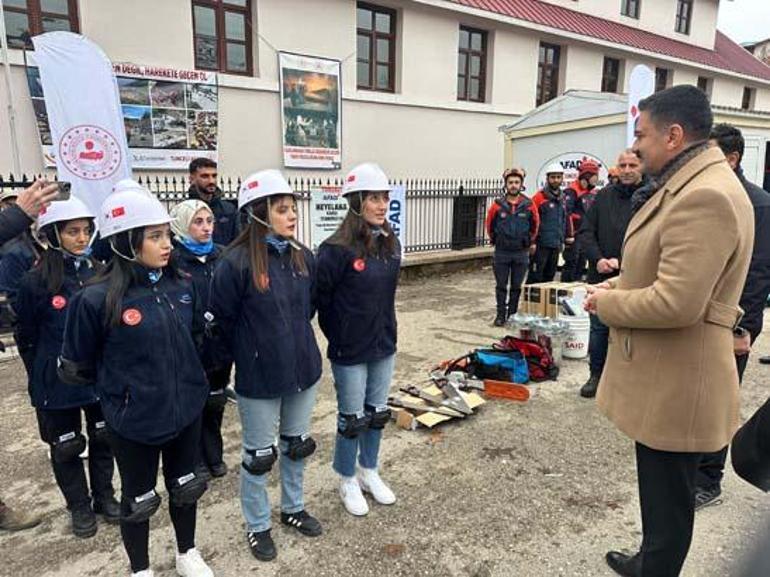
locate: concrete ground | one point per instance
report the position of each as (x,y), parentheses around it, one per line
(537,489)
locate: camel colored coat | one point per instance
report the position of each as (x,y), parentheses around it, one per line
(670,381)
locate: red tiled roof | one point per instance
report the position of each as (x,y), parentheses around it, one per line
(727,55)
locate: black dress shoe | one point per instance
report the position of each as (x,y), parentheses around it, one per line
(588,391)
(218,470)
(622,564)
(83,521)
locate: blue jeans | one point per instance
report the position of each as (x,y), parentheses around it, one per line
(363,387)
(261,419)
(598,342)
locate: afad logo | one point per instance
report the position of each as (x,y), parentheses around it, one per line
(90,152)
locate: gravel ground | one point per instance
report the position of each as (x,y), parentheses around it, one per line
(537,489)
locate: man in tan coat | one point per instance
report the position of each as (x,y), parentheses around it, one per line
(670,381)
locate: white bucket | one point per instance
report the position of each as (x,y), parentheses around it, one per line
(575,344)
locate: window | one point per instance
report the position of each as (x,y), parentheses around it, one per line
(376,47)
(32,17)
(630,8)
(705,85)
(610,74)
(547,73)
(683,16)
(747,102)
(661,79)
(222,35)
(471,64)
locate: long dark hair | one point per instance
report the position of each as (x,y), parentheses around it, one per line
(253,238)
(51,263)
(355,233)
(121,274)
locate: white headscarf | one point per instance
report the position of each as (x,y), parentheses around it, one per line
(183,214)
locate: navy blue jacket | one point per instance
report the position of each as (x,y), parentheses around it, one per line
(40,332)
(13,222)
(19,257)
(147,371)
(555,223)
(269,334)
(201,272)
(356,304)
(225,216)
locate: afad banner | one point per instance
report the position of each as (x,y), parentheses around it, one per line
(328,209)
(310,111)
(570,162)
(170,115)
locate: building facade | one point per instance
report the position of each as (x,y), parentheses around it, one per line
(425,84)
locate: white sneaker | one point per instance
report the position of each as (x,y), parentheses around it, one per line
(371,482)
(144,573)
(191,564)
(352,498)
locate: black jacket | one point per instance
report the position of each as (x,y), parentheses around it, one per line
(757,287)
(225,215)
(13,221)
(604,227)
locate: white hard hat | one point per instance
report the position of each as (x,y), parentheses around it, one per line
(261,185)
(129,184)
(365,177)
(554,168)
(64,210)
(11,193)
(122,211)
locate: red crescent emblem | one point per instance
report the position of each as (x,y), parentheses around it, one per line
(132,317)
(359,265)
(58,302)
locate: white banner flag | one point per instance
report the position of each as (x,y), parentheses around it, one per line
(84,113)
(397,215)
(640,85)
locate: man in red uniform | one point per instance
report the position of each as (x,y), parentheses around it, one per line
(512,224)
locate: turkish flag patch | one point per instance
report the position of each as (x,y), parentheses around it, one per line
(58,302)
(359,265)
(118,211)
(132,317)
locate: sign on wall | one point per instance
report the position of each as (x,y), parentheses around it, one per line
(170,115)
(570,162)
(310,111)
(327,211)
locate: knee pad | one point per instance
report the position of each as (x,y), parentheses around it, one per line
(350,426)
(100,433)
(186,490)
(141,508)
(216,400)
(260,461)
(379,416)
(299,447)
(68,446)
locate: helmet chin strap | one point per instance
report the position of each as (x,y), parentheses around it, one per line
(360,213)
(130,246)
(268,225)
(63,250)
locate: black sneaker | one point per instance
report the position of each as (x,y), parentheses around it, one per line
(109,508)
(588,390)
(707,497)
(83,521)
(261,545)
(218,470)
(499,322)
(302,522)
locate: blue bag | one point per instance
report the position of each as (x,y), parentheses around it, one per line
(509,365)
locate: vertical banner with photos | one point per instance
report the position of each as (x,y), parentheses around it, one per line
(170,115)
(310,111)
(327,211)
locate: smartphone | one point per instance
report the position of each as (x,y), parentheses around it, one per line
(64,190)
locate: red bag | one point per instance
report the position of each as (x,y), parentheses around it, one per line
(539,360)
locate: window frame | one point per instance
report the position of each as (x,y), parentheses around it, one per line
(469,53)
(373,36)
(709,85)
(607,79)
(540,98)
(221,8)
(657,78)
(748,98)
(683,24)
(625,8)
(35,14)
